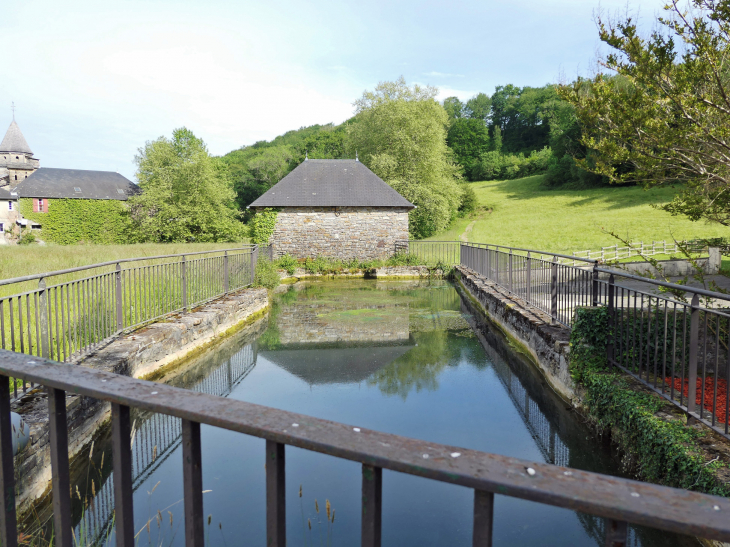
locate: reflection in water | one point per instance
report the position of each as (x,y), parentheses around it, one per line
(398,357)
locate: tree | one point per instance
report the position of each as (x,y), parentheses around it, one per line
(454,107)
(400,133)
(665,117)
(469,139)
(479,107)
(186,194)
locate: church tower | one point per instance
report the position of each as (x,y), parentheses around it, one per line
(16,158)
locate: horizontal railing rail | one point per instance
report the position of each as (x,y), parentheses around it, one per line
(619,501)
(64,319)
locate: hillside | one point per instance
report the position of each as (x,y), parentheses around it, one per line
(521,213)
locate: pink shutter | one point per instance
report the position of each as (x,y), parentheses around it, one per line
(45,205)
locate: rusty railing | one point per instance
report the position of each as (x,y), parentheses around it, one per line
(619,501)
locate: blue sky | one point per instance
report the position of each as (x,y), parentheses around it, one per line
(92,81)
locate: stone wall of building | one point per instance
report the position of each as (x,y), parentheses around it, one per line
(339,232)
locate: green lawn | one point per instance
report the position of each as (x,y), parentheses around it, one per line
(523,214)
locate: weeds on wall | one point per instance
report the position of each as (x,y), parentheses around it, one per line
(324,265)
(660,450)
(71,221)
(266,274)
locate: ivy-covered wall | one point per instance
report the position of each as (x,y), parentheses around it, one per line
(660,446)
(70,221)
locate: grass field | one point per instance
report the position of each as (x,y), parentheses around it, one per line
(524,214)
(17,260)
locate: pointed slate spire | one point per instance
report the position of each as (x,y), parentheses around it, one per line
(14,141)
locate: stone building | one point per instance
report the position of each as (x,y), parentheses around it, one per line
(22,178)
(338,209)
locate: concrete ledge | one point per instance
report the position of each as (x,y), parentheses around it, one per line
(528,330)
(146,353)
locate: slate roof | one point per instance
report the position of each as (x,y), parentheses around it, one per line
(14,141)
(331,183)
(5,194)
(62,183)
(334,366)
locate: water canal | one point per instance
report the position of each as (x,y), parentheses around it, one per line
(406,357)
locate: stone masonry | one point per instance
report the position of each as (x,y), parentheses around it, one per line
(339,232)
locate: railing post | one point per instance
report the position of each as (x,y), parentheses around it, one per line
(372,505)
(509,266)
(43,316)
(120,303)
(225,272)
(528,277)
(254,259)
(483,518)
(594,288)
(60,474)
(611,314)
(122,462)
(184,266)
(275,495)
(617,533)
(554,289)
(694,327)
(8,519)
(192,484)
(489,264)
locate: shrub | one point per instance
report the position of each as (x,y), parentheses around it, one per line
(26,239)
(266,274)
(469,201)
(288,263)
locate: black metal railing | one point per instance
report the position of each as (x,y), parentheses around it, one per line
(62,315)
(673,338)
(619,501)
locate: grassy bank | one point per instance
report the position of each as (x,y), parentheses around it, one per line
(522,213)
(16,260)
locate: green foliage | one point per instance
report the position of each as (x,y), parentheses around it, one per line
(468,139)
(469,200)
(71,221)
(495,166)
(266,274)
(523,116)
(288,263)
(26,238)
(186,195)
(400,133)
(262,226)
(664,450)
(664,118)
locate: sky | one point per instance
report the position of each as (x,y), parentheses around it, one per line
(93,81)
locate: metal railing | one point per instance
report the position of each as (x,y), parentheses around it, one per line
(659,334)
(554,287)
(74,311)
(619,501)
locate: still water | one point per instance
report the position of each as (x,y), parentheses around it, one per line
(407,358)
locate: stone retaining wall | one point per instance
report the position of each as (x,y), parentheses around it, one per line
(531,331)
(400,272)
(145,353)
(339,232)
